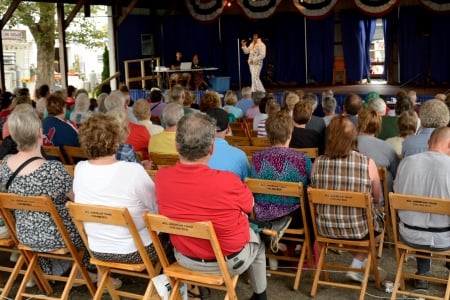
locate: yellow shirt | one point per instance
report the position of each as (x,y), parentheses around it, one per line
(163,143)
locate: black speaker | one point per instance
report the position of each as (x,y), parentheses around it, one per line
(147,44)
(423,23)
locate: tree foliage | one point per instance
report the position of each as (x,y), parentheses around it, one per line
(40,18)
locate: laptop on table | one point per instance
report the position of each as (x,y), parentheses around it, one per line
(185,65)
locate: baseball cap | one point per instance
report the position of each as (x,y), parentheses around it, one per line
(221,117)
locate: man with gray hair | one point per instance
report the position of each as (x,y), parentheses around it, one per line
(433,114)
(191,191)
(315,123)
(177,94)
(329,108)
(377,105)
(114,100)
(164,142)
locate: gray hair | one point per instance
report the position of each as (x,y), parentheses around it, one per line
(195,136)
(121,117)
(433,114)
(312,99)
(82,103)
(101,102)
(378,105)
(176,93)
(24,125)
(329,104)
(258,96)
(114,100)
(172,113)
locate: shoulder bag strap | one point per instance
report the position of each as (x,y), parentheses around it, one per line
(23,165)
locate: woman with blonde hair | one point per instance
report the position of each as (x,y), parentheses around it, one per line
(230,101)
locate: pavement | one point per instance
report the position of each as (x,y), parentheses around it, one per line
(281,287)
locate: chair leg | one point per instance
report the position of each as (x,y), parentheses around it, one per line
(381,244)
(318,271)
(300,266)
(366,277)
(12,277)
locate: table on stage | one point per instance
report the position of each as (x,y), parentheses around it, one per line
(165,71)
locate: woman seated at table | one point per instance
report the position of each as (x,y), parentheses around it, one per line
(278,162)
(342,168)
(100,181)
(40,177)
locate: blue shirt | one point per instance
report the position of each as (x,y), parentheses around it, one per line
(229,158)
(418,143)
(125,152)
(245,104)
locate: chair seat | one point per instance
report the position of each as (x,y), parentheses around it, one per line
(61,251)
(116,265)
(8,242)
(178,271)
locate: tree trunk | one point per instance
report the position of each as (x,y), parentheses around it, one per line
(44,34)
(45,64)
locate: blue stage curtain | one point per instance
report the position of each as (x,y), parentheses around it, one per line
(189,36)
(390,27)
(440,49)
(357,33)
(414,45)
(320,36)
(288,48)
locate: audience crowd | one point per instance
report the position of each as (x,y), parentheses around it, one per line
(119,136)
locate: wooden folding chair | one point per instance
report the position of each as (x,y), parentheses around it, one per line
(382,173)
(298,236)
(54,151)
(426,205)
(44,204)
(238,129)
(151,174)
(118,217)
(353,200)
(312,153)
(238,140)
(7,245)
(70,169)
(162,160)
(74,154)
(177,273)
(260,142)
(250,150)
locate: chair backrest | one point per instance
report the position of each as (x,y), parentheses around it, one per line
(260,141)
(54,151)
(238,129)
(70,169)
(382,173)
(43,204)
(200,230)
(74,154)
(238,140)
(151,173)
(360,200)
(421,204)
(118,216)
(312,153)
(161,160)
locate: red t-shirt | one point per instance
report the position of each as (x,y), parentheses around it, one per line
(199,193)
(139,138)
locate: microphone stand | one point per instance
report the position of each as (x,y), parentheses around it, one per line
(239,62)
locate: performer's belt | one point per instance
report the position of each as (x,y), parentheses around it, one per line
(429,229)
(228,257)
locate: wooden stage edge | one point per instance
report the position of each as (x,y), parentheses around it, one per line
(362,89)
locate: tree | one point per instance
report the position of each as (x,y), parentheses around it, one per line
(40,18)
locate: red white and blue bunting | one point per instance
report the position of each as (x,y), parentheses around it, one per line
(260,9)
(315,9)
(209,10)
(205,10)
(376,8)
(441,6)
